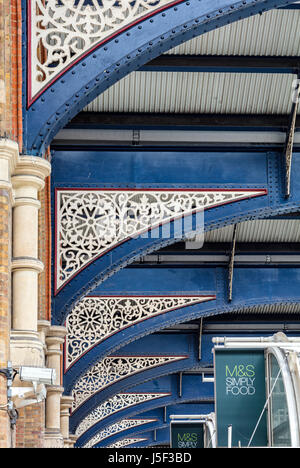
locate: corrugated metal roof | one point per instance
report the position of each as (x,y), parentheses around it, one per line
(271,309)
(193,92)
(279,230)
(274,33)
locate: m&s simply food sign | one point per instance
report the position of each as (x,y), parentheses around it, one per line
(240,396)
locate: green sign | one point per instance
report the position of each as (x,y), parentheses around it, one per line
(187,435)
(240,394)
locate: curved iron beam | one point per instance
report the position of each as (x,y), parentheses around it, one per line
(127,51)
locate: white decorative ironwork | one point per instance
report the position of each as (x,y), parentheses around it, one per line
(112,369)
(116,429)
(117,403)
(63,31)
(91,222)
(126,442)
(94,319)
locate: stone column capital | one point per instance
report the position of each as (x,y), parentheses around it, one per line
(66,402)
(33,166)
(55,336)
(27,263)
(54,389)
(9,151)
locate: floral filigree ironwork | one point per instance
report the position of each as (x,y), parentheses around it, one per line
(63,31)
(117,403)
(112,369)
(126,442)
(94,319)
(91,222)
(116,429)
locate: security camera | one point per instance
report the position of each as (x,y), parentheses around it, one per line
(38,374)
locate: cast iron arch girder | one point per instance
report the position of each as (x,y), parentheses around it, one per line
(161,416)
(160,436)
(280,290)
(272,204)
(126,52)
(193,390)
(186,357)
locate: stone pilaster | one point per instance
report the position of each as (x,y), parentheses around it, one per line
(53,433)
(9,154)
(65,406)
(28,180)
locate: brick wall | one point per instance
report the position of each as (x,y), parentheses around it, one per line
(30,427)
(11,70)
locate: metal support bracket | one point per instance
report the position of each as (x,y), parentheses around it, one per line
(180,385)
(288,151)
(200,339)
(10,374)
(231,264)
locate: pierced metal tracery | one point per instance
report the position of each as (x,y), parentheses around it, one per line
(126,442)
(116,428)
(112,369)
(115,404)
(62,31)
(94,319)
(89,223)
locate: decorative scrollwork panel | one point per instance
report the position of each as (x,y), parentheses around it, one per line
(89,223)
(112,369)
(126,442)
(116,428)
(94,319)
(117,403)
(63,31)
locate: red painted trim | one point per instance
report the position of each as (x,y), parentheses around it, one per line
(262,192)
(31,99)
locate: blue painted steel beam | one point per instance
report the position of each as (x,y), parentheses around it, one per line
(193,390)
(162,417)
(224,64)
(121,55)
(183,345)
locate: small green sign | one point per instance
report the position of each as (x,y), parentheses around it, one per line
(240,394)
(187,435)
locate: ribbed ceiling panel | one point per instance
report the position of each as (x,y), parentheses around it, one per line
(274,33)
(193,92)
(259,231)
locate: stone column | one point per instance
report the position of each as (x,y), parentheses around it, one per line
(73,438)
(65,406)
(9,154)
(54,341)
(28,179)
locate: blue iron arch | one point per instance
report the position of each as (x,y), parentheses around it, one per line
(261,171)
(159,418)
(193,390)
(253,287)
(178,352)
(129,49)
